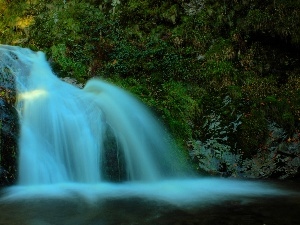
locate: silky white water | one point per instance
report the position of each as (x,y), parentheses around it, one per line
(63,128)
(79,140)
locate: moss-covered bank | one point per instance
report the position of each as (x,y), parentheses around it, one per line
(222,75)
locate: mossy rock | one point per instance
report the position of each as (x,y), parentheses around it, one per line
(9,128)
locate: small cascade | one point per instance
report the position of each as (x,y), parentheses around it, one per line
(76,145)
(87,135)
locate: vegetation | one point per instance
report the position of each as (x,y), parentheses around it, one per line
(222,75)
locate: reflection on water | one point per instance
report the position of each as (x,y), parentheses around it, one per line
(214,202)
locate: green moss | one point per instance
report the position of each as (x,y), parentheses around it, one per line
(184,59)
(64,65)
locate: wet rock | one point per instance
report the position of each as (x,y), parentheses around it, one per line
(8,135)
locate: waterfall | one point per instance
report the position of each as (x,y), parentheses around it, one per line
(74,144)
(69,134)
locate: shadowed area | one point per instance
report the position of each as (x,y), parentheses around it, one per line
(149,204)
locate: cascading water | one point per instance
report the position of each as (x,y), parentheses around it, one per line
(74,142)
(64,129)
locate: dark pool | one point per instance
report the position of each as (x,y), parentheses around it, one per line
(270,210)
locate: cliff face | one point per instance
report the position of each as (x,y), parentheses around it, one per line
(222,75)
(8,134)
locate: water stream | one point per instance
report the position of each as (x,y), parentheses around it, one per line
(99,156)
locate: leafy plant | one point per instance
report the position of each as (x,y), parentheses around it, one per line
(66,66)
(216,155)
(187,60)
(279,157)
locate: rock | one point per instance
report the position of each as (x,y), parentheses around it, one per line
(8,136)
(9,125)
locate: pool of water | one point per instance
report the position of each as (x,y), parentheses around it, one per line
(135,209)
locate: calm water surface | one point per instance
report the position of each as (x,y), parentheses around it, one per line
(280,210)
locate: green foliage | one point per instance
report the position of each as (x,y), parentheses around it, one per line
(154,58)
(275,18)
(66,65)
(192,62)
(178,109)
(170,101)
(73,23)
(14,22)
(70,34)
(253,131)
(218,153)
(278,157)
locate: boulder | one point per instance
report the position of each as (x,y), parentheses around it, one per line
(8,135)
